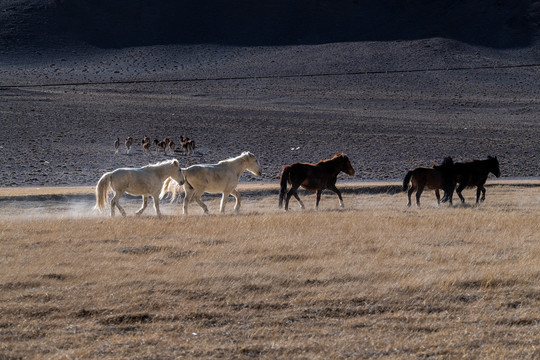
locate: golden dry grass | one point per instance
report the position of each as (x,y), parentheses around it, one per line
(378,280)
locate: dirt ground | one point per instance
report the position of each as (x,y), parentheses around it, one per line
(402,101)
(391,106)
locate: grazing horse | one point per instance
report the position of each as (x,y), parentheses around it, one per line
(474,173)
(435,178)
(145,181)
(128,143)
(315,177)
(116,145)
(213,178)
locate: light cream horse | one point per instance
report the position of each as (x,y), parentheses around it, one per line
(146,181)
(213,178)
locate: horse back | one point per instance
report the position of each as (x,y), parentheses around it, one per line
(472,173)
(427,177)
(137,181)
(310,176)
(211,177)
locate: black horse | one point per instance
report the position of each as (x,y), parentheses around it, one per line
(472,174)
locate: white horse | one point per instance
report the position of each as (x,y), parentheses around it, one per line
(145,181)
(213,178)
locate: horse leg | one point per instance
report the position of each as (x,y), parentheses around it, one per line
(236,194)
(438,195)
(223,202)
(336,190)
(115,201)
(409,193)
(292,192)
(319,192)
(113,204)
(418,193)
(187,198)
(480,190)
(299,200)
(145,203)
(459,190)
(197,198)
(449,194)
(156,205)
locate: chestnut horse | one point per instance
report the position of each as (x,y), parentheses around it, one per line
(474,173)
(315,177)
(435,178)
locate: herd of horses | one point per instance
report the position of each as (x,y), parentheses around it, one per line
(448,175)
(167,177)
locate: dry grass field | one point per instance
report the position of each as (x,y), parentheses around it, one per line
(377,280)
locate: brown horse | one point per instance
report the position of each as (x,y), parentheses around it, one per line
(435,178)
(474,173)
(315,177)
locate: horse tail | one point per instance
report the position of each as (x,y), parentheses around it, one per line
(283,184)
(165,187)
(102,190)
(170,186)
(406,180)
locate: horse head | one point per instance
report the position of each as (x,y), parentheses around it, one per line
(448,161)
(346,167)
(177,174)
(494,166)
(253,165)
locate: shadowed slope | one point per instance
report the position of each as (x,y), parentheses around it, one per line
(122,23)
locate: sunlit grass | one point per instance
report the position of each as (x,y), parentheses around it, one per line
(375,280)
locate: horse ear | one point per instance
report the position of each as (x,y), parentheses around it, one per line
(176,163)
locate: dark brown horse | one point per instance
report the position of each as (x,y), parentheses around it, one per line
(435,178)
(474,173)
(315,177)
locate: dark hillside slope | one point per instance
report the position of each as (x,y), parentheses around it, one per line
(124,23)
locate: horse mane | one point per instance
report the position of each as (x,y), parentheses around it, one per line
(161,163)
(336,156)
(242,155)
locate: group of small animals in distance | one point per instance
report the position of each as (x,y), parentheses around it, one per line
(186,144)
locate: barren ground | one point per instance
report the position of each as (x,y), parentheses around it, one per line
(390,106)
